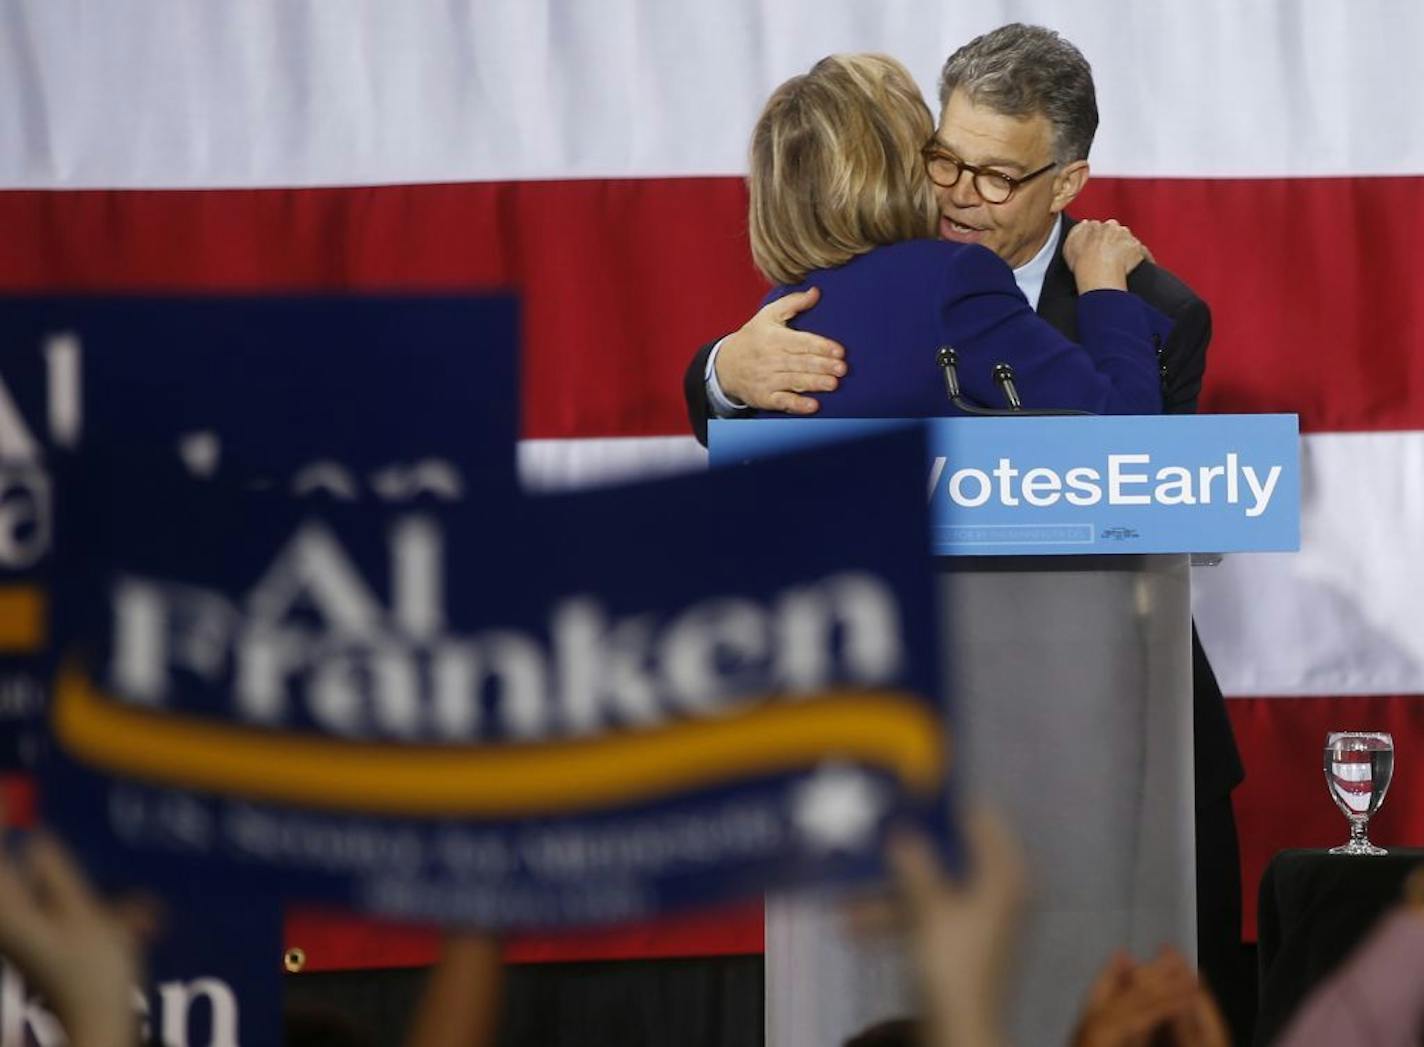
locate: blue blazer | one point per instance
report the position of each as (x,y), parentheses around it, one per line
(893,307)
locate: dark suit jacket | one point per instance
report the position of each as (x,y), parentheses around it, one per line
(1218,765)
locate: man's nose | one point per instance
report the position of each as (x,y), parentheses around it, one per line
(962,192)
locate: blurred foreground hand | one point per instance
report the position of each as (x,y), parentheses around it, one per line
(461,1003)
(1160,1003)
(79,954)
(962,934)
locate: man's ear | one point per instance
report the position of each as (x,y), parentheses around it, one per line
(1068,184)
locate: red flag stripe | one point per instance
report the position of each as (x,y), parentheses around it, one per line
(622,279)
(339,941)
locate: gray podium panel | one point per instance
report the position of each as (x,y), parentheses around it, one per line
(1072,685)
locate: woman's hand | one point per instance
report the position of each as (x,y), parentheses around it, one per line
(1101,254)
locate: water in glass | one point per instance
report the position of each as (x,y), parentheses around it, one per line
(1358,768)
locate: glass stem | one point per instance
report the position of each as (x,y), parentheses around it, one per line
(1357,830)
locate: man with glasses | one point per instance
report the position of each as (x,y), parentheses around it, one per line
(1018,114)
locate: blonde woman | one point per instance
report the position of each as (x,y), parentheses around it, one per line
(841,200)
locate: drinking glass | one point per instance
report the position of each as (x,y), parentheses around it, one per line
(1358,767)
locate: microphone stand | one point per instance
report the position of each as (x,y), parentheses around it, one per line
(947,358)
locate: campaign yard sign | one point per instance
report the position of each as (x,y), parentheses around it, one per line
(269,385)
(1037,485)
(213,980)
(343,394)
(519,714)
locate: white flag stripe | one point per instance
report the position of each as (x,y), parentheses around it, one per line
(305,92)
(1340,617)
(548,466)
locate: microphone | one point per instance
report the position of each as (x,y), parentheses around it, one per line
(947,358)
(1004,376)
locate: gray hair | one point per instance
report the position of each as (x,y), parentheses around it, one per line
(1019,70)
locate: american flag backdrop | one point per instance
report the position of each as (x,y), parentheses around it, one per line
(590,154)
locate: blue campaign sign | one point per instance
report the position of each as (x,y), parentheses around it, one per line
(1065,486)
(213,978)
(511,713)
(215,973)
(344,394)
(268,385)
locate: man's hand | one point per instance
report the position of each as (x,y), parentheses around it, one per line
(768,365)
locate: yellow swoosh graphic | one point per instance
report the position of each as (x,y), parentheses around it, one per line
(889,729)
(22,619)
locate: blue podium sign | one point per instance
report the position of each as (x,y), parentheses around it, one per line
(1076,485)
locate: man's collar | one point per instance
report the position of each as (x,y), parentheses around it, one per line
(1057,302)
(1032,274)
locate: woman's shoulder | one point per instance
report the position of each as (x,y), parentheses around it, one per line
(912,252)
(898,263)
(935,259)
(925,253)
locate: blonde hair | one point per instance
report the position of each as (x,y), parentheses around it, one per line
(836,167)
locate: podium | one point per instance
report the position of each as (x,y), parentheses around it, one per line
(1069,667)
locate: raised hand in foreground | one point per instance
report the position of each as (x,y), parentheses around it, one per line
(80,954)
(962,934)
(1159,1003)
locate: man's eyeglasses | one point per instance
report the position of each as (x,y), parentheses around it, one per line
(945,169)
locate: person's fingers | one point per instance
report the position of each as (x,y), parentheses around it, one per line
(874,917)
(792,404)
(787,358)
(1111,979)
(1414,888)
(141,916)
(809,344)
(794,355)
(20,920)
(788,305)
(798,382)
(998,857)
(915,866)
(1129,1003)
(1119,1024)
(1167,974)
(1139,1014)
(1201,1023)
(59,885)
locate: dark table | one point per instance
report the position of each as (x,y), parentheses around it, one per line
(1315,907)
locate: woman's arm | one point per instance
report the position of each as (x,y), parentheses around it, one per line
(1113,369)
